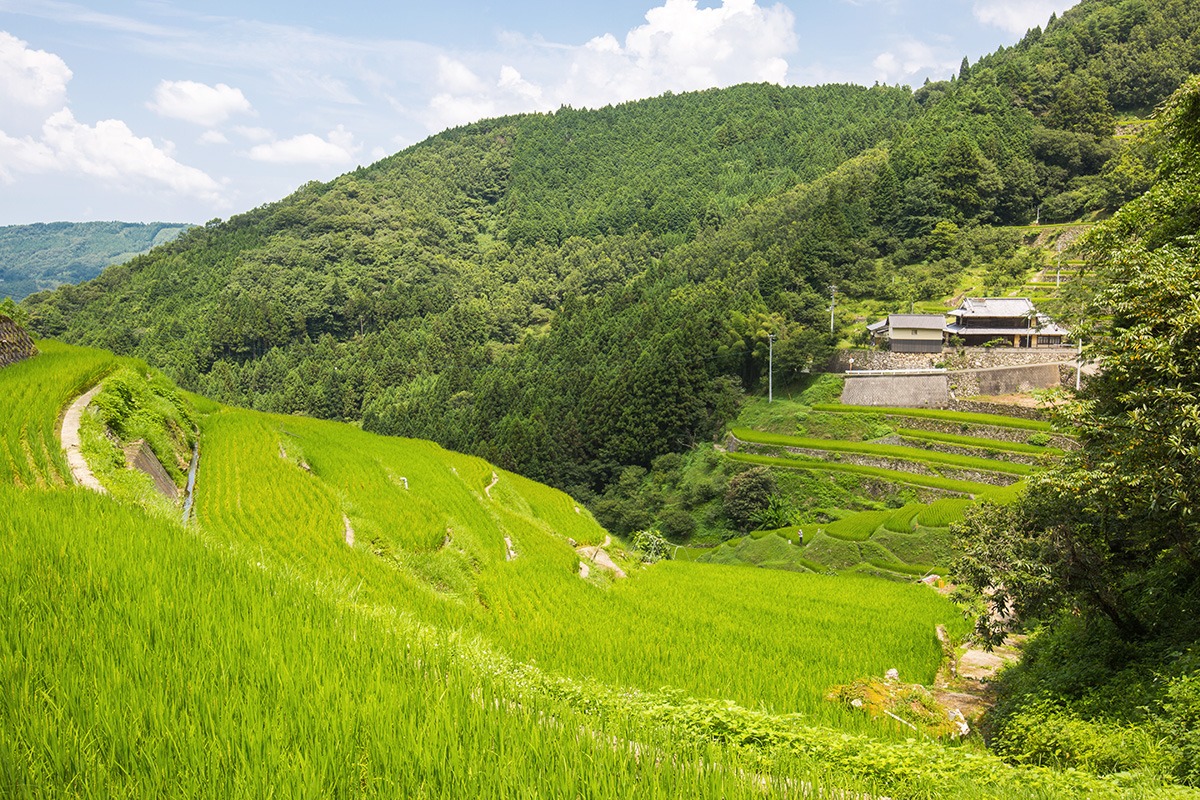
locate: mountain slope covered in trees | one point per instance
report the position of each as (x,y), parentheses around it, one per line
(42,256)
(572,293)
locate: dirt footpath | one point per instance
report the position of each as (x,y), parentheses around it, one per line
(69,437)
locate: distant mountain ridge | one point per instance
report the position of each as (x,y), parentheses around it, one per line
(46,255)
(570,294)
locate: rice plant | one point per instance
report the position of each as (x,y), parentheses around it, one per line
(962,417)
(914,454)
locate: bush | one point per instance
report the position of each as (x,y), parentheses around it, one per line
(749,492)
(652,546)
(1178,727)
(676,524)
(1039,439)
(778,513)
(1045,734)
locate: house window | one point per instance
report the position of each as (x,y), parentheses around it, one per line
(1048,340)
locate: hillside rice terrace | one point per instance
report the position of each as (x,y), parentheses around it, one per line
(483,674)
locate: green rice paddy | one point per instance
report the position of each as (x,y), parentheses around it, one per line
(353,615)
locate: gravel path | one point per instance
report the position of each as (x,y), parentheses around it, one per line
(69,437)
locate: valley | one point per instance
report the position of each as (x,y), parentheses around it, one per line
(757,441)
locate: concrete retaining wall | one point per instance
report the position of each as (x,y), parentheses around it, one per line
(138,455)
(908,391)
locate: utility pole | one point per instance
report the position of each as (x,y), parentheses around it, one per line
(1078,364)
(770,368)
(832,301)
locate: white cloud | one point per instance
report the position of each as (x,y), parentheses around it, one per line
(1018,16)
(511,81)
(680,47)
(336,149)
(910,57)
(107,150)
(446,110)
(31,77)
(254,134)
(213,137)
(456,77)
(198,102)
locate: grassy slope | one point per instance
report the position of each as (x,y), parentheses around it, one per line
(261,651)
(916,454)
(962,417)
(534,607)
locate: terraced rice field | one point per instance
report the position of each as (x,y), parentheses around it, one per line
(913,540)
(256,651)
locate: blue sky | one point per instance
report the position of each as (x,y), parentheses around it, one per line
(175,110)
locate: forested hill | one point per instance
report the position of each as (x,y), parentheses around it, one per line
(45,255)
(567,294)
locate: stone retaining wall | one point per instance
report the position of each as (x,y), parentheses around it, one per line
(999,409)
(15,344)
(909,391)
(951,358)
(986,431)
(138,455)
(1029,459)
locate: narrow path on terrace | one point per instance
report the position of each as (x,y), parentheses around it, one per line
(600,557)
(349,530)
(488,489)
(69,438)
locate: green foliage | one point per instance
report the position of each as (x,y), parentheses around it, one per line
(1110,529)
(652,546)
(749,494)
(1043,734)
(134,405)
(37,257)
(778,513)
(1178,727)
(946,416)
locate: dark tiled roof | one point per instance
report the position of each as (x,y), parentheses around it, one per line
(919,321)
(995,307)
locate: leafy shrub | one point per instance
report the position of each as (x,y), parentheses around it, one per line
(749,492)
(652,546)
(676,524)
(1178,726)
(778,513)
(1039,439)
(1043,733)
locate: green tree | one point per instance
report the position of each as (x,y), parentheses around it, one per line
(749,494)
(1114,530)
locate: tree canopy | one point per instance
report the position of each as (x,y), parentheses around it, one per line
(1114,530)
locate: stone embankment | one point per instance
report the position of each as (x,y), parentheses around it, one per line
(15,344)
(952,358)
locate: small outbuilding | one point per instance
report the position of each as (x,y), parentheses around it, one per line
(910,333)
